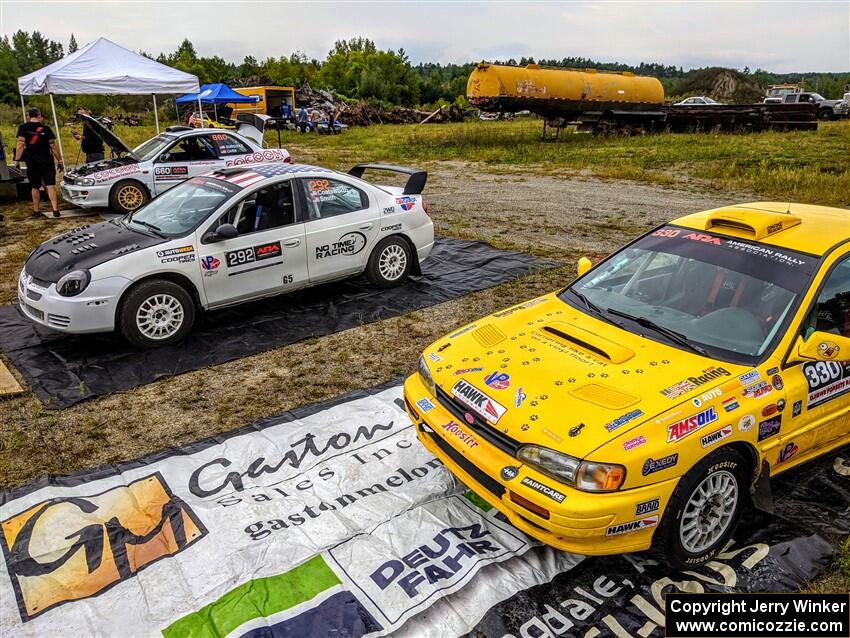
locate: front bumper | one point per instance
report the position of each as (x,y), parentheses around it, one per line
(91,311)
(96,196)
(580,523)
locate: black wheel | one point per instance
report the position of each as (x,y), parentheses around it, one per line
(156,313)
(825,115)
(127,196)
(390,262)
(704,510)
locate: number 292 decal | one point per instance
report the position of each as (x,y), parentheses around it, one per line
(253,253)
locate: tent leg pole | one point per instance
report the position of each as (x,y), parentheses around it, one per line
(155,114)
(200,110)
(215,111)
(23,109)
(56,123)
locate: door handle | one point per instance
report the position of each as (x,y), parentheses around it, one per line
(292,243)
(366,226)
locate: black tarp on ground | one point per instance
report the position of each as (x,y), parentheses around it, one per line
(65,369)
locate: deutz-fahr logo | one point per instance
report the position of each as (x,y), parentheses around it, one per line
(66,549)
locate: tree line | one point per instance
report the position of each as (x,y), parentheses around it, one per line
(357,69)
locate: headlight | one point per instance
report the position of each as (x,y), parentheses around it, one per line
(85,181)
(600,477)
(425,375)
(73,283)
(587,476)
(557,465)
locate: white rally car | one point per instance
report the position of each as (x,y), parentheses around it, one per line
(222,238)
(132,177)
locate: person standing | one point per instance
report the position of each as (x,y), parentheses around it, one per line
(90,141)
(302,120)
(37,146)
(315,118)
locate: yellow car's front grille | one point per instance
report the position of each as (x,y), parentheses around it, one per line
(605,396)
(488,335)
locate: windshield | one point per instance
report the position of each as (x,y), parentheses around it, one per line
(152,148)
(726,296)
(180,209)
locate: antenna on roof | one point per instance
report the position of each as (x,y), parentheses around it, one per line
(788,212)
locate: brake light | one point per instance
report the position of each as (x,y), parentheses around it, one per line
(532,507)
(287,160)
(425,207)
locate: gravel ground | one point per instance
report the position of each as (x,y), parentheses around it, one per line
(555,213)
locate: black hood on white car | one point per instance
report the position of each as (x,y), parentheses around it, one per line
(86,247)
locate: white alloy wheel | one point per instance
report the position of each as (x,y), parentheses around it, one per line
(709,511)
(160,316)
(392,262)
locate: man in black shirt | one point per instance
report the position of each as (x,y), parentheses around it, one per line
(91,143)
(37,146)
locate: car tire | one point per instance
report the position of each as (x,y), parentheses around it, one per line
(690,535)
(128,195)
(825,115)
(156,313)
(390,262)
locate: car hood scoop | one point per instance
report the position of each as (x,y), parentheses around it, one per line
(85,247)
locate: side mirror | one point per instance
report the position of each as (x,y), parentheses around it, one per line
(163,157)
(223,232)
(823,346)
(584,264)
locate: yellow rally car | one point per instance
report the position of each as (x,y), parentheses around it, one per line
(643,405)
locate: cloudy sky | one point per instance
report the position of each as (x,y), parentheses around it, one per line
(775,35)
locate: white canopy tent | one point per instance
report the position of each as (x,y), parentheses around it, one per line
(104,68)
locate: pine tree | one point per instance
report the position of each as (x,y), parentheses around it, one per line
(72,44)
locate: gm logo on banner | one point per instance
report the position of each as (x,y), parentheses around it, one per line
(66,549)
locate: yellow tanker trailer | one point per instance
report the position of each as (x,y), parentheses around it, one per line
(593,97)
(620,102)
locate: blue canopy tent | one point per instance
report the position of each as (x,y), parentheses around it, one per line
(216,94)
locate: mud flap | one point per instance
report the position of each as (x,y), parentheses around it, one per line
(760,492)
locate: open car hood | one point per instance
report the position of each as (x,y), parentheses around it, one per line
(109,138)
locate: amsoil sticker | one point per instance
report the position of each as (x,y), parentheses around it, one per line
(680,429)
(348,244)
(827,380)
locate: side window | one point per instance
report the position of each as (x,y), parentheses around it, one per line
(265,209)
(330,197)
(226,144)
(831,312)
(191,149)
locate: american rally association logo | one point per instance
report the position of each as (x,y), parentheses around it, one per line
(66,549)
(406,202)
(477,401)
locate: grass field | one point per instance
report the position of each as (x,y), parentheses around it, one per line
(809,167)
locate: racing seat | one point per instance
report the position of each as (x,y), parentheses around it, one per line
(274,208)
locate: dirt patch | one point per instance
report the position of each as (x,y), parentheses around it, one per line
(554,214)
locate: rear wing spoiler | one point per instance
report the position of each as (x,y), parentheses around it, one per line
(415,183)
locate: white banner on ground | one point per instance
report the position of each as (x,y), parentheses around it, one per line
(333,518)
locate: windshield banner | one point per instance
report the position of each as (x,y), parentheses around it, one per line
(329,520)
